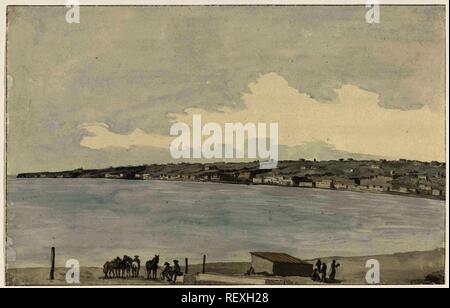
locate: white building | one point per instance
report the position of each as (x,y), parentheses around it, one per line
(324,183)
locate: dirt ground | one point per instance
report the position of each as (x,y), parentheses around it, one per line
(396,269)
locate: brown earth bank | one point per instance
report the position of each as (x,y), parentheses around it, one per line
(425,267)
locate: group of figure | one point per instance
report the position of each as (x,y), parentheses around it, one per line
(320,271)
(125,267)
(128,267)
(171,273)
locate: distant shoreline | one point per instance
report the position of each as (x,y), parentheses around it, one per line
(396,177)
(392,193)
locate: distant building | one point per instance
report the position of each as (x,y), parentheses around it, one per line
(208,168)
(439,174)
(146,176)
(114,175)
(305,182)
(377,183)
(258,180)
(278,180)
(285,181)
(413,190)
(324,183)
(229,176)
(245,175)
(377,188)
(168,177)
(270,180)
(343,183)
(280,264)
(399,189)
(423,177)
(215,177)
(436,192)
(210,175)
(425,187)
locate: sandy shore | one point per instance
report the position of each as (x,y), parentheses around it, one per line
(396,269)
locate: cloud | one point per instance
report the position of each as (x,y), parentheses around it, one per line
(99,136)
(354,122)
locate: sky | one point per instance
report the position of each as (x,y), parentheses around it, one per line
(106,91)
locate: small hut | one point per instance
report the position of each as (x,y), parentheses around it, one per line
(280,264)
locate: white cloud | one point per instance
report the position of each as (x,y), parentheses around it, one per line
(353,122)
(99,136)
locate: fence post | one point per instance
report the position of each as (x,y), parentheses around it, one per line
(52,270)
(204,261)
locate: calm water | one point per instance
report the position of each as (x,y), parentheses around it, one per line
(93,220)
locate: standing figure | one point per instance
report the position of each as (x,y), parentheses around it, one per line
(251,271)
(323,270)
(319,265)
(334,266)
(176,271)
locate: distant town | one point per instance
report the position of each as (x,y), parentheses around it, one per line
(406,177)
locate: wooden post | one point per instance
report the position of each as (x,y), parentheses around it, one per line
(186,265)
(52,270)
(204,261)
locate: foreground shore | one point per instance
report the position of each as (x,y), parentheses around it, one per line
(395,269)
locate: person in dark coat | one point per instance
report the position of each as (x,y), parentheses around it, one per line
(334,266)
(315,276)
(167,272)
(251,271)
(319,265)
(176,271)
(323,271)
